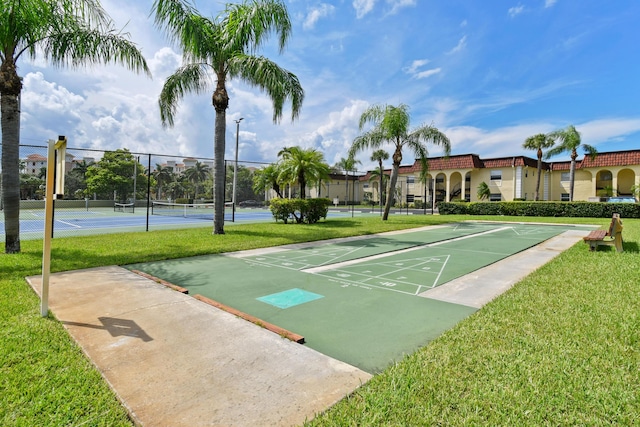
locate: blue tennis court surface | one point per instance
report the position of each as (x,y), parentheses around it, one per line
(71,222)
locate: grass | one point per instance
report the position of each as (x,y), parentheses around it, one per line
(561,347)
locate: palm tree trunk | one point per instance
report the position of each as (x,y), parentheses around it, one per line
(390,187)
(381,181)
(10,174)
(537,194)
(220,100)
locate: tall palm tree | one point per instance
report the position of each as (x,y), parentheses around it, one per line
(163,175)
(225,47)
(569,141)
(380,156)
(391,125)
(196,174)
(538,142)
(302,166)
(64,33)
(347,165)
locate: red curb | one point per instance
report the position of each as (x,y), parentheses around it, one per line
(162,282)
(273,328)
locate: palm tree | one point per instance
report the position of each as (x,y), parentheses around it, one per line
(391,125)
(347,165)
(267,178)
(163,175)
(64,33)
(196,174)
(225,47)
(382,178)
(379,156)
(538,142)
(484,192)
(569,141)
(304,166)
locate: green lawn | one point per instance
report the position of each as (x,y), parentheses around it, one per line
(561,347)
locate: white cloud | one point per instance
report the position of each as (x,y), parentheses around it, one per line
(322,11)
(164,63)
(462,43)
(549,3)
(399,4)
(363,7)
(414,69)
(516,10)
(427,73)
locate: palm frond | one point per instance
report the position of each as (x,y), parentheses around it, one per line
(280,84)
(189,78)
(250,24)
(82,46)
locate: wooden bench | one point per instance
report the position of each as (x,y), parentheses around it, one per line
(612,237)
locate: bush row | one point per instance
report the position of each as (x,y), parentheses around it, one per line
(308,211)
(552,209)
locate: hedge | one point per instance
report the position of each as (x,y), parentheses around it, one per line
(307,211)
(548,209)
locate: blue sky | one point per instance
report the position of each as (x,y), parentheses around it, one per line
(486,73)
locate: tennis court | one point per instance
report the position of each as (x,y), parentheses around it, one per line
(362,301)
(113,219)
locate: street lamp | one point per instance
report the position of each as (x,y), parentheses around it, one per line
(235,171)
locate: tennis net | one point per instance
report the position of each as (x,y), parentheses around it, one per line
(124,207)
(184,210)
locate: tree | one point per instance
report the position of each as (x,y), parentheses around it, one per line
(163,175)
(391,125)
(382,178)
(64,33)
(379,156)
(267,178)
(347,165)
(569,141)
(225,46)
(484,192)
(196,174)
(538,142)
(114,172)
(302,166)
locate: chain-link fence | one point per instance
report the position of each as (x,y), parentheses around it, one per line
(115,191)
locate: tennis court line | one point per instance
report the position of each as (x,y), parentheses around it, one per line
(323,268)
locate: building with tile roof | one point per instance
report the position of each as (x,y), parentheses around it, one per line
(514,178)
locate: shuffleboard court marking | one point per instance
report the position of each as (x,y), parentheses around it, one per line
(319,269)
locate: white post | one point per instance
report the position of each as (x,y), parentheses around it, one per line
(48,217)
(235,168)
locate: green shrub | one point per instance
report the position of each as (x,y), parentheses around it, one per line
(308,211)
(546,209)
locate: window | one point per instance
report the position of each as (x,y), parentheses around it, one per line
(439,180)
(495,197)
(410,198)
(565,176)
(496,175)
(564,197)
(365,185)
(411,179)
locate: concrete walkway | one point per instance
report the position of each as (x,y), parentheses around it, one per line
(175,361)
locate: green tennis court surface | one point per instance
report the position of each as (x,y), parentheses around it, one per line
(357,300)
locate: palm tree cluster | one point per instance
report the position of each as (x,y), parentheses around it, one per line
(560,141)
(190,184)
(296,166)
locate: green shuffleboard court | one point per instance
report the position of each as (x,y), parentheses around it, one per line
(357,300)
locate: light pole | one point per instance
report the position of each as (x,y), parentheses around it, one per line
(235,171)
